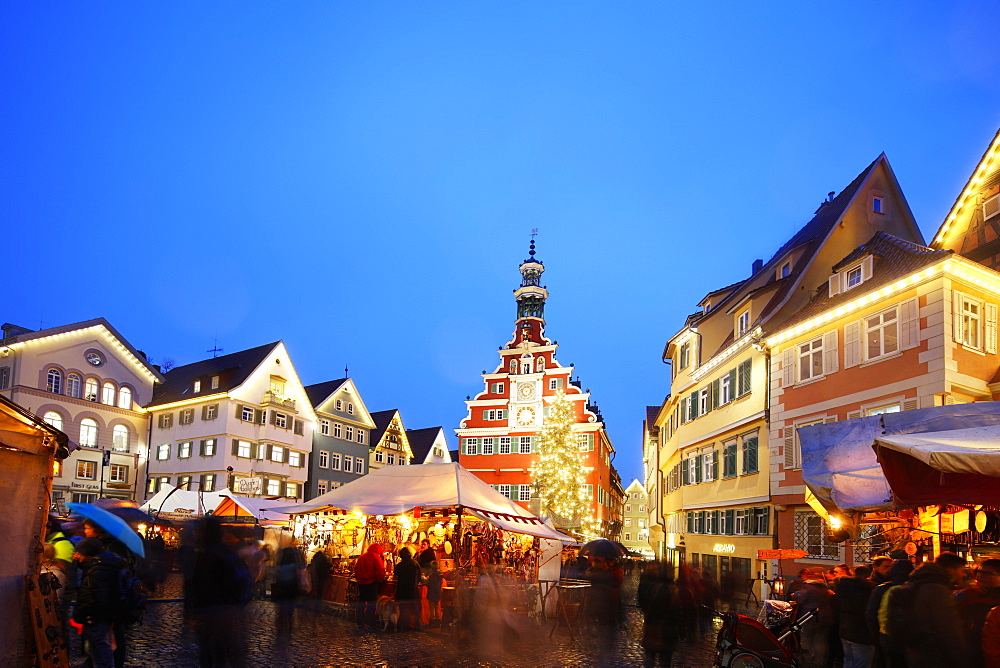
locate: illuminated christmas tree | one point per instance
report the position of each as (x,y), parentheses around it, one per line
(559,472)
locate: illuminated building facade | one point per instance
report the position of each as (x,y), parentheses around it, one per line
(342,436)
(498,436)
(88,381)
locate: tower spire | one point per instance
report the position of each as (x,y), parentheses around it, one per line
(530,297)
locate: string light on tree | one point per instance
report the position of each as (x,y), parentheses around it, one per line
(559,471)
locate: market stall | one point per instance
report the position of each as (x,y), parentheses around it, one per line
(253,518)
(176,504)
(472,528)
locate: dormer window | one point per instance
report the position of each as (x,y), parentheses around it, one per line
(785,269)
(197,386)
(877,204)
(684,356)
(215,382)
(707,307)
(743,323)
(852,277)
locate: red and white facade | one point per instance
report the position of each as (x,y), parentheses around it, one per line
(498,436)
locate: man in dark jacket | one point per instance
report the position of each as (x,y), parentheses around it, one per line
(96,599)
(935,637)
(975,603)
(887,651)
(849,605)
(407,575)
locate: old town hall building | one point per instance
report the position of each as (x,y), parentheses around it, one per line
(498,436)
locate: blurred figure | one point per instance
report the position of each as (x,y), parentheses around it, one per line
(407,576)
(218,588)
(687,603)
(657,598)
(287,587)
(974,603)
(991,639)
(319,573)
(888,651)
(254,559)
(849,605)
(708,595)
(434,584)
(604,606)
(578,569)
(814,595)
(96,600)
(369,572)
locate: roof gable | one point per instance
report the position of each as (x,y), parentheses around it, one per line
(966,229)
(323,397)
(232,371)
(422,440)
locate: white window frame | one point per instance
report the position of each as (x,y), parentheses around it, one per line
(806,360)
(350,409)
(108,393)
(184,450)
(281,421)
(555,383)
(707,461)
(348,433)
(118,473)
(324,459)
(379,456)
(73,385)
(524,445)
(496,388)
(90,389)
(337,430)
(991,207)
(197,386)
(882,409)
(292,490)
(209,447)
(244,449)
(742,323)
(89,433)
(725,390)
(295,458)
(277,454)
(273,487)
(878,204)
(504,489)
(505,443)
(324,427)
(360,436)
(247,414)
(969,321)
(53,419)
(853,277)
(391,458)
(339,405)
(487,445)
(524,493)
(883,326)
(320,487)
(359,465)
(53,381)
(335,460)
(87,468)
(785,269)
(472,446)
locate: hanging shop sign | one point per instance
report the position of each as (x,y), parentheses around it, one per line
(249,485)
(782,554)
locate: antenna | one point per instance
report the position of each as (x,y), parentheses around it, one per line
(215,350)
(346,374)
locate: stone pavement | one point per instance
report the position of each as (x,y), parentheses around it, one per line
(322,638)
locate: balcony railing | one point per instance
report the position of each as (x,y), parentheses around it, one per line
(271,399)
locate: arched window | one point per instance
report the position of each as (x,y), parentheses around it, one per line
(119,438)
(53,419)
(350,408)
(540,364)
(53,381)
(73,386)
(90,389)
(108,394)
(124,398)
(513,366)
(88,433)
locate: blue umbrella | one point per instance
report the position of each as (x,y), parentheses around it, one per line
(114,525)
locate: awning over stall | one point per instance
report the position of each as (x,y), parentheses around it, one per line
(945,454)
(392,490)
(174,503)
(242,509)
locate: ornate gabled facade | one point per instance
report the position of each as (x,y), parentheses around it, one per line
(390,445)
(342,438)
(498,437)
(972,227)
(241,421)
(86,380)
(715,451)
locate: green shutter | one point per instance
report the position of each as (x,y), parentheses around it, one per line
(715,464)
(698,459)
(694,404)
(714,393)
(513,492)
(269,451)
(590,442)
(204,412)
(239,411)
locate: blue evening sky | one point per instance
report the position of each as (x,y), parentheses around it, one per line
(361,179)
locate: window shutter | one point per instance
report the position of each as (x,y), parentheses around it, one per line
(867,265)
(694,404)
(788,367)
(274,417)
(853,415)
(254,451)
(269,451)
(513,492)
(714,394)
(201,481)
(239,412)
(834,284)
(909,334)
(852,344)
(297,427)
(991,328)
(911,404)
(283,488)
(715,464)
(697,468)
(685,471)
(732,384)
(590,442)
(201,449)
(204,412)
(764,527)
(957,317)
(534,444)
(730,525)
(790,448)
(830,419)
(236,446)
(830,352)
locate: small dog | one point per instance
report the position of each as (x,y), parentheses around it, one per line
(388,612)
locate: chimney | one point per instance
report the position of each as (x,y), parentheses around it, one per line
(757,266)
(829,195)
(10,330)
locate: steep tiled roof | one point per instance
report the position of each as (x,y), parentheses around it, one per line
(232,369)
(382,420)
(320,392)
(895,258)
(651,412)
(421,441)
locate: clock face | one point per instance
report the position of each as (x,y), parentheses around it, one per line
(95,358)
(526,416)
(525,390)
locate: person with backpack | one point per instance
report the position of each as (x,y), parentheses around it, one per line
(923,617)
(97,600)
(887,652)
(849,605)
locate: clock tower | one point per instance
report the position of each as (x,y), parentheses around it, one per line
(498,436)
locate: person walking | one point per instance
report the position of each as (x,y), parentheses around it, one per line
(814,596)
(369,573)
(974,603)
(96,599)
(319,573)
(287,587)
(849,604)
(657,598)
(407,576)
(880,569)
(435,583)
(888,651)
